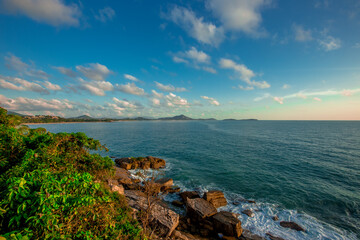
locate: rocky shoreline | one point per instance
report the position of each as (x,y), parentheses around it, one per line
(201,220)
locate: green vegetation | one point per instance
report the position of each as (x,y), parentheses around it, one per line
(52,187)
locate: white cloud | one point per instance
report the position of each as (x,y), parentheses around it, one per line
(169,88)
(317,99)
(240,15)
(105,14)
(118,110)
(66,71)
(202,31)
(279,100)
(172,100)
(155,102)
(52,12)
(330,43)
(130,77)
(265,96)
(28,104)
(15,63)
(130,88)
(156,94)
(197,56)
(356,45)
(179,60)
(52,86)
(97,88)
(20,84)
(302,35)
(209,69)
(245,73)
(94,71)
(248,88)
(212,101)
(286,86)
(124,103)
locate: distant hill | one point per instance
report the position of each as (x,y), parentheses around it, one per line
(179,117)
(83,117)
(15,113)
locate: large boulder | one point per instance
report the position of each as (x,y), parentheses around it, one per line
(247,235)
(165,182)
(292,225)
(161,216)
(140,162)
(116,187)
(228,224)
(216,198)
(198,209)
(189,194)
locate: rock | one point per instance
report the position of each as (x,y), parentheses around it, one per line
(216,198)
(238,201)
(121,173)
(273,237)
(227,224)
(247,235)
(156,163)
(117,188)
(165,182)
(177,203)
(292,225)
(162,217)
(172,189)
(248,212)
(275,218)
(145,165)
(125,165)
(199,208)
(178,235)
(189,194)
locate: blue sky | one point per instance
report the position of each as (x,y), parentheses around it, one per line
(265,59)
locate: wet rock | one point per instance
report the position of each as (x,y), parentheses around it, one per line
(156,163)
(189,194)
(165,182)
(216,198)
(272,237)
(172,189)
(177,203)
(275,218)
(292,225)
(239,201)
(247,235)
(248,212)
(199,208)
(227,224)
(140,162)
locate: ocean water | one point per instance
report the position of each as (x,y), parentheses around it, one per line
(303,171)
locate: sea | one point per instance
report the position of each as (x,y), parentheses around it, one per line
(302,171)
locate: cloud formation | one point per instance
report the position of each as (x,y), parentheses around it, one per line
(20,84)
(169,88)
(212,101)
(245,74)
(29,104)
(94,71)
(52,12)
(329,43)
(66,71)
(130,77)
(203,32)
(302,35)
(130,88)
(105,14)
(97,88)
(240,15)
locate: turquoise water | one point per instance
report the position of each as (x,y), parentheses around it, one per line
(305,171)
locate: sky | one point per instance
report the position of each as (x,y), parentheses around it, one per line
(264,59)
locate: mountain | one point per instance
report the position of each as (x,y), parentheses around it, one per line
(83,117)
(179,117)
(15,113)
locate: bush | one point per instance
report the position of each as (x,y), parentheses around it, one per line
(52,187)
